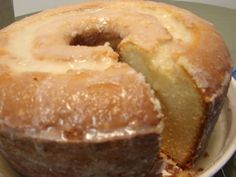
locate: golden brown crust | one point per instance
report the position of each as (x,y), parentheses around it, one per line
(120,157)
(60,77)
(76,104)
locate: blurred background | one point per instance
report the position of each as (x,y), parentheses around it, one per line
(28,6)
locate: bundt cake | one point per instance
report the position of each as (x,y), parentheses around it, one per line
(84,89)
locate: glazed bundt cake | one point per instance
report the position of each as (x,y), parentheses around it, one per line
(84,89)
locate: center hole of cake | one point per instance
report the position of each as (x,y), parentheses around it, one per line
(96,39)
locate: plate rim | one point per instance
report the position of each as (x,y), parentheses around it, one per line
(230,149)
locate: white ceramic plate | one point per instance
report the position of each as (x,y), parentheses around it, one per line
(222,143)
(220,148)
